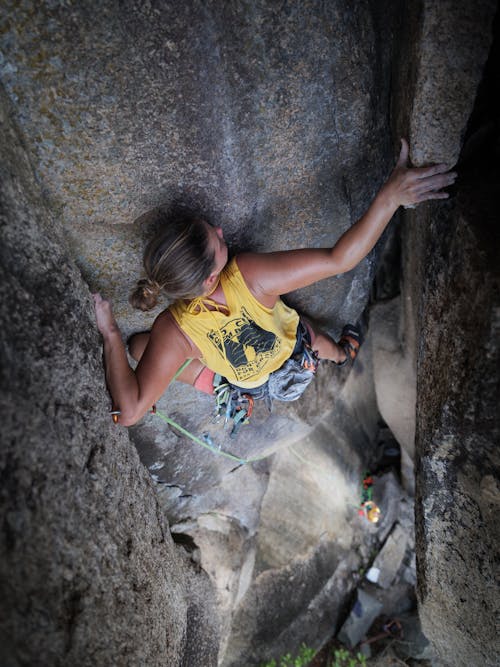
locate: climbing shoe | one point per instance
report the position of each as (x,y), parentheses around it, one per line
(350,342)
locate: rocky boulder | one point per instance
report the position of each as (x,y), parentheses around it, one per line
(451,289)
(89,573)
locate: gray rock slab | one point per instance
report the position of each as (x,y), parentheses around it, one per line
(388,561)
(450,253)
(264,117)
(89,573)
(285,606)
(454,42)
(364,612)
(394,371)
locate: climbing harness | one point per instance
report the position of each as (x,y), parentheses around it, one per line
(287,383)
(232,403)
(368,508)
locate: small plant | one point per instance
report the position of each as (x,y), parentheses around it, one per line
(301,660)
(343,658)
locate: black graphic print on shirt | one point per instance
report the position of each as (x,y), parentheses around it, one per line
(245,344)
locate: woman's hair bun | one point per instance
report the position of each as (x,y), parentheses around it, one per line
(145,295)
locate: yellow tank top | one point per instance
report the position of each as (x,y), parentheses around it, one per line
(243,342)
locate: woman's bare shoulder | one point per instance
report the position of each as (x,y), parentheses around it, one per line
(248,264)
(167,332)
(251,267)
(246,258)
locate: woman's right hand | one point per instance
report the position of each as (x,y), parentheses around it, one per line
(106,322)
(409,186)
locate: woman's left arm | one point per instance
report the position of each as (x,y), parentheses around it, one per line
(281,272)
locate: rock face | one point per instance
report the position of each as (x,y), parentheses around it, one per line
(457,422)
(453,44)
(89,572)
(451,283)
(265,117)
(274,121)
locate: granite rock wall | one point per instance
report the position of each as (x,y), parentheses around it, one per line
(451,297)
(270,118)
(89,573)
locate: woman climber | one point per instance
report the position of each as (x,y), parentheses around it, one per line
(228,316)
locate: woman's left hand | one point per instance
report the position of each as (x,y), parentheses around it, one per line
(408,186)
(105,319)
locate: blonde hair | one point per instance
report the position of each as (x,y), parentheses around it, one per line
(176,261)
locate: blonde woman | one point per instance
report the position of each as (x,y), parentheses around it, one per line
(228,317)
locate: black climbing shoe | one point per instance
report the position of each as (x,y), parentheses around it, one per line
(350,341)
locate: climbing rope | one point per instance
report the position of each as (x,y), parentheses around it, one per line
(232,404)
(234,409)
(207,442)
(238,407)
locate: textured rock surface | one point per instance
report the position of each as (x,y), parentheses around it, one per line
(458,431)
(395,369)
(89,573)
(269,117)
(451,257)
(455,38)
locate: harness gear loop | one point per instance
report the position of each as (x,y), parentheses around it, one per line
(232,403)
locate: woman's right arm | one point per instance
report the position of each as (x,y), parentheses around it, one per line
(276,273)
(134,392)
